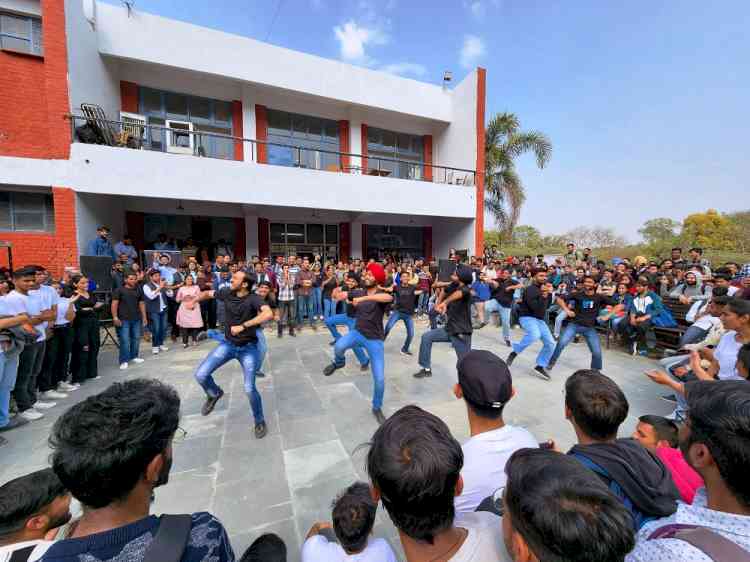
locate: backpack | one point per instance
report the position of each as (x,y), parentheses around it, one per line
(710,543)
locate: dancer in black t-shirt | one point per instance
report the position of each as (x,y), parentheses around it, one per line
(406,303)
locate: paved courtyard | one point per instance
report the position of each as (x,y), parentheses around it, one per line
(285,482)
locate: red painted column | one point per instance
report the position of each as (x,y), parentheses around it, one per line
(427,148)
(345,241)
(264,246)
(128,98)
(427,242)
(240,248)
(364,242)
(479,220)
(261,132)
(363,136)
(344,145)
(237,130)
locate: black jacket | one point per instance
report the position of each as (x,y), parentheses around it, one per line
(533,303)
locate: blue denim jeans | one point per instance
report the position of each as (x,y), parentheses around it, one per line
(344,320)
(592,340)
(424,302)
(536,329)
(317,294)
(262,348)
(8,372)
(305,306)
(408,322)
(158,327)
(329,308)
(129,335)
(375,349)
(493,306)
(461,345)
(247,355)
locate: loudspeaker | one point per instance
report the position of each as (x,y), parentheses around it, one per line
(446,269)
(98,268)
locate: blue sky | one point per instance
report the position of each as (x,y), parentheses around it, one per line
(646,102)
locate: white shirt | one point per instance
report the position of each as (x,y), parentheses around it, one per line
(16,303)
(733,527)
(62,309)
(319,549)
(485,456)
(41,547)
(484,542)
(150,293)
(726,354)
(48,298)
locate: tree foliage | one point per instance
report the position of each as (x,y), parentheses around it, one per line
(709,230)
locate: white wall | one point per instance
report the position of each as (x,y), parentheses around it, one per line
(93,211)
(29,7)
(452,233)
(455,145)
(91,78)
(148,38)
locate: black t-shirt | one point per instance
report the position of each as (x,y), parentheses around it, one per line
(459,311)
(587,307)
(239,310)
(328,286)
(127,308)
(406,300)
(533,303)
(369,316)
(499,293)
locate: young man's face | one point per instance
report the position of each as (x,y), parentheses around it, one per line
(540,277)
(25,283)
(690,279)
(646,436)
(642,289)
(263,291)
(103,233)
(676,254)
(131,280)
(164,260)
(405,278)
(237,279)
(694,255)
(40,278)
(589,284)
(368,279)
(156,278)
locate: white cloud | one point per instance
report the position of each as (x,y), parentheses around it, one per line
(477,8)
(354,38)
(471,51)
(405,68)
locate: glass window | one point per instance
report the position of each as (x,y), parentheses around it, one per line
(200,108)
(279,122)
(21,210)
(6,223)
(151,101)
(332,234)
(223,111)
(277,233)
(312,134)
(314,233)
(395,146)
(214,147)
(176,105)
(295,233)
(21,33)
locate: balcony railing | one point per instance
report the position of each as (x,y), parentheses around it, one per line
(140,136)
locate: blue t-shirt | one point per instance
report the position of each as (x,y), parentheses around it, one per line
(208,541)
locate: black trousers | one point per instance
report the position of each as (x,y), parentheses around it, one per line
(63,339)
(45,381)
(29,366)
(189,332)
(85,349)
(208,312)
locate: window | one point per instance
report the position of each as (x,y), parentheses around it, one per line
(395,146)
(310,142)
(22,34)
(26,211)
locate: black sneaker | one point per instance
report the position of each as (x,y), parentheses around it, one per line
(541,373)
(16,421)
(330,368)
(551,365)
(378,413)
(507,342)
(669,398)
(210,403)
(332,342)
(260,374)
(365,367)
(407,353)
(423,374)
(511,358)
(260,430)
(3,441)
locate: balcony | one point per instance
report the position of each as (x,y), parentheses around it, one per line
(181,139)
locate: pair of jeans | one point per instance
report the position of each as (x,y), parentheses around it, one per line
(247,355)
(461,345)
(536,329)
(8,372)
(693,334)
(129,335)
(317,294)
(643,331)
(158,326)
(504,312)
(592,340)
(348,321)
(262,348)
(408,322)
(287,313)
(29,365)
(305,307)
(423,303)
(376,351)
(329,308)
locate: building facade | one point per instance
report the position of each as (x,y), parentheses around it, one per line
(155,126)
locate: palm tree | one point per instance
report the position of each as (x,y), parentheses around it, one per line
(503,190)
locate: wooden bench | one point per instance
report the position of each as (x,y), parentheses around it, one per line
(669,338)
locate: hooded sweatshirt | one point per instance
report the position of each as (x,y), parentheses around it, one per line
(693,292)
(642,478)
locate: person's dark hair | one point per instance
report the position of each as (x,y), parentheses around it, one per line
(353,515)
(414,462)
(719,292)
(248,279)
(487,413)
(102,446)
(743,356)
(597,404)
(152,272)
(722,273)
(719,417)
(266,548)
(265,284)
(643,282)
(102,227)
(563,511)
(741,307)
(26,496)
(26,271)
(697,250)
(535,271)
(666,430)
(676,249)
(589,277)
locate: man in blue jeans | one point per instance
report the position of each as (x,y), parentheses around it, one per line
(501,291)
(586,305)
(10,350)
(156,309)
(536,299)
(456,303)
(369,305)
(128,316)
(348,319)
(406,303)
(245,312)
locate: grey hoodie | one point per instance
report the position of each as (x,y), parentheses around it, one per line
(695,292)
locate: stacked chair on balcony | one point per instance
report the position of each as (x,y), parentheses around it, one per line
(99,130)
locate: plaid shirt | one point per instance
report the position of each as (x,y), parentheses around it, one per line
(286,291)
(745,271)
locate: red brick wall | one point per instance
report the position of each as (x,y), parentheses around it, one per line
(35,94)
(54,250)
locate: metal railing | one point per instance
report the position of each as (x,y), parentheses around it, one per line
(134,135)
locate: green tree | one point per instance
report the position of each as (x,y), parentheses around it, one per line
(504,142)
(526,236)
(709,230)
(659,231)
(741,223)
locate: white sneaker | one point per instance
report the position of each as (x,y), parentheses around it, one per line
(123,366)
(138,360)
(163,348)
(31,414)
(67,387)
(53,395)
(39,405)
(155,350)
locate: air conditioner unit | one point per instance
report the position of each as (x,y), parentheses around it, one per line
(180,137)
(133,127)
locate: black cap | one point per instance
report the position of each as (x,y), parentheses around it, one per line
(465,274)
(485,379)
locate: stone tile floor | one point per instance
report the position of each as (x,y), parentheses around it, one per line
(317,424)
